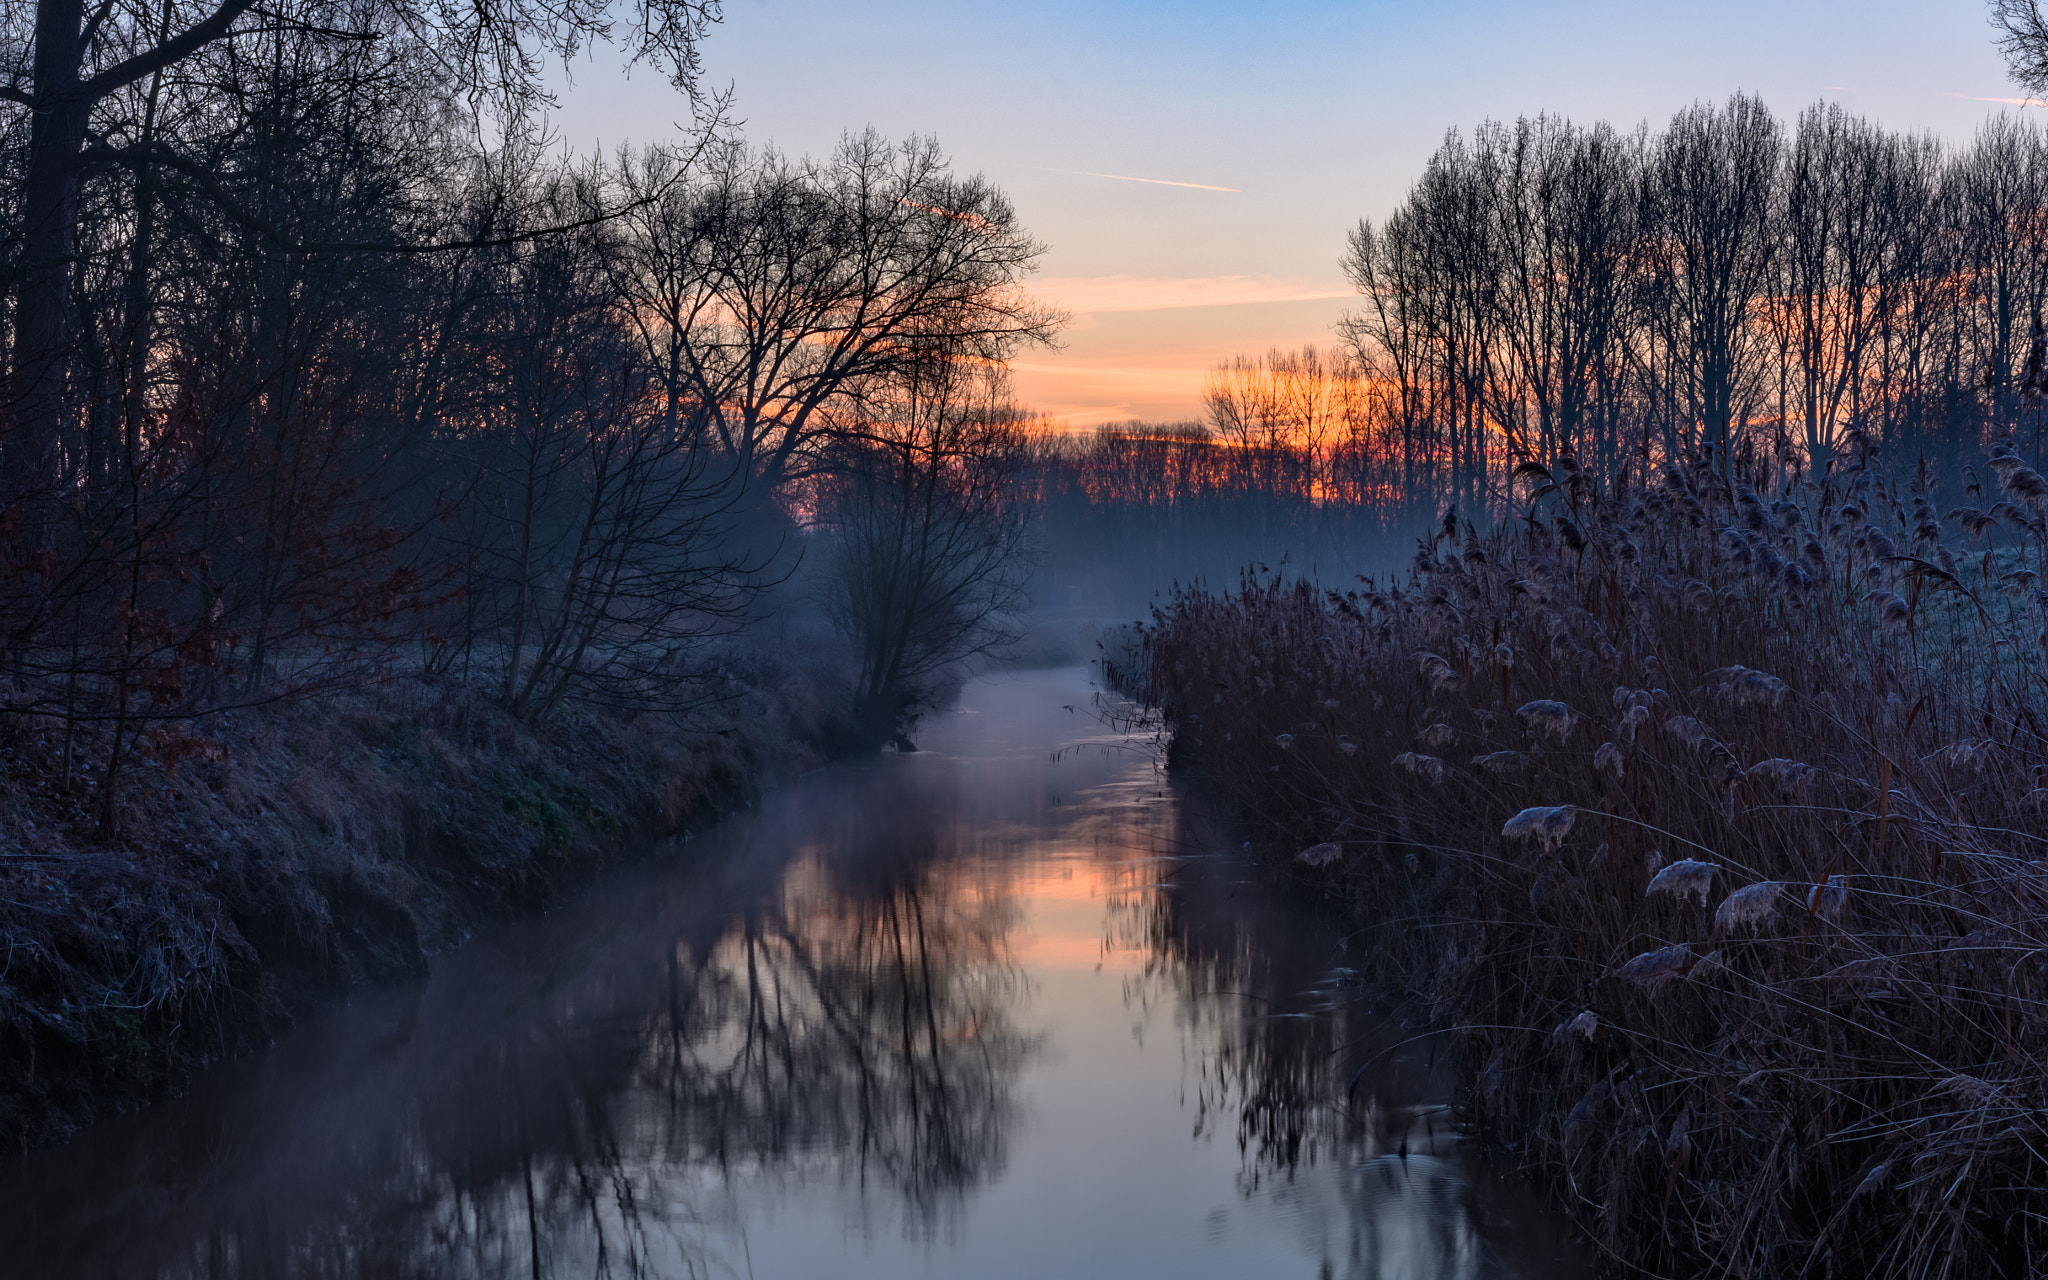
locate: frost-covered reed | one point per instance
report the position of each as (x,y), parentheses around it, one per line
(1746,790)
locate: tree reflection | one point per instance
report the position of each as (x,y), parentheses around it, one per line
(874,1025)
(1337,1106)
(1261,985)
(855,1027)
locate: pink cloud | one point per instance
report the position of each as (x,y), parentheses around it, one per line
(2010,102)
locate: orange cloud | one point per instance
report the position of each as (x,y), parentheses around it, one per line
(1086,294)
(1087,395)
(1154,378)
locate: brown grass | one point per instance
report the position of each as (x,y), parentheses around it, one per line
(1710,826)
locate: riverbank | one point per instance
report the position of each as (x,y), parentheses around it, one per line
(1707,827)
(997,1008)
(307,850)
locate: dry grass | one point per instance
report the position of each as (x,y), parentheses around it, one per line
(314,847)
(1712,826)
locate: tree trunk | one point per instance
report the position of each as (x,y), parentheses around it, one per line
(50,218)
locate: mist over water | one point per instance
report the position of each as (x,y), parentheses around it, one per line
(1133,512)
(1003,1007)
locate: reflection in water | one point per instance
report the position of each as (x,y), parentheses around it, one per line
(1337,1107)
(588,1107)
(905,1020)
(866,1019)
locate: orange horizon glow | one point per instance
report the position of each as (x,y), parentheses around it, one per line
(1140,347)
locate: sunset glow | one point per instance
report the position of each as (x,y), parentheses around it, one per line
(1093,637)
(1194,190)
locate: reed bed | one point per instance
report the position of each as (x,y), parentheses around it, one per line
(1708,825)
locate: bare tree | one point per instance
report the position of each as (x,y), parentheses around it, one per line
(594,533)
(771,294)
(1387,337)
(75,76)
(1284,413)
(1855,201)
(1629,299)
(2023,39)
(1710,189)
(1562,205)
(928,527)
(224,505)
(1997,194)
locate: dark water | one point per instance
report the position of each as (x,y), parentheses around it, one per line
(995,1009)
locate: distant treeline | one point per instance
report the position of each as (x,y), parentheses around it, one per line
(1131,509)
(1726,284)
(1729,288)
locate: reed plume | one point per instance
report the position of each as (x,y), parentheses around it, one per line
(1748,796)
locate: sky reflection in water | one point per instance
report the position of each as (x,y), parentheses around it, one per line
(974,1012)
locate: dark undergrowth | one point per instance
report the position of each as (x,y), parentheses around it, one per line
(1709,826)
(341,841)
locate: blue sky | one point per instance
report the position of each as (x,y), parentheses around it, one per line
(1317,113)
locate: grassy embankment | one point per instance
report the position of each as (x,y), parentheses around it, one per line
(331,843)
(1710,828)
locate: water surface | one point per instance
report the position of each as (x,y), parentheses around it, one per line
(996,1009)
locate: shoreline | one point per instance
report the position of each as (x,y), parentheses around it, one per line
(1720,871)
(326,847)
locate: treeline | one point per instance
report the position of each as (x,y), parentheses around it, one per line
(1727,284)
(1289,466)
(1730,287)
(322,361)
(1132,508)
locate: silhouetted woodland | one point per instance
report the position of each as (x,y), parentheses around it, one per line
(1727,284)
(1730,286)
(324,363)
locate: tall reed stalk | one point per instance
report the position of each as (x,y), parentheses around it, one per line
(1710,826)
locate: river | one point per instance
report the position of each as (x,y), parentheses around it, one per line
(1000,1008)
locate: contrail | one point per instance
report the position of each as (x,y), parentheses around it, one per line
(2011,102)
(1157,182)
